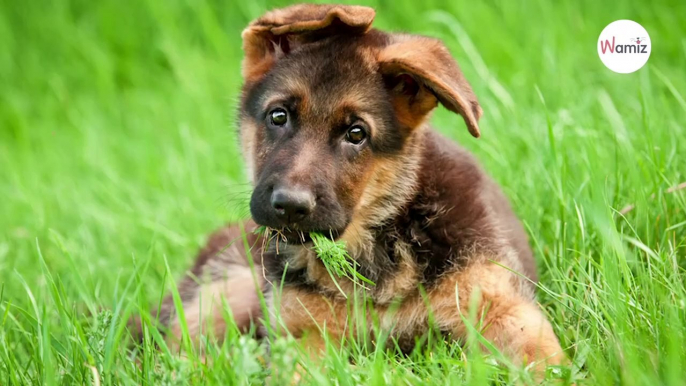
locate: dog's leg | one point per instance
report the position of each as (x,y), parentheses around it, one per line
(520,330)
(206,308)
(307,316)
(221,282)
(509,316)
(314,348)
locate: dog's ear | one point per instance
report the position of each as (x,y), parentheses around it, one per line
(278,32)
(419,71)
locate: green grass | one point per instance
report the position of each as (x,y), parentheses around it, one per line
(118,156)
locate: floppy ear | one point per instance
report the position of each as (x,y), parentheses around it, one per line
(420,71)
(279,31)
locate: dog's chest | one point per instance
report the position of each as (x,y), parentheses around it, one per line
(398,260)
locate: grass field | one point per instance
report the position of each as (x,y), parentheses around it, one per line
(118,156)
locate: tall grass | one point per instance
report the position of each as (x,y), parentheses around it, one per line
(118,155)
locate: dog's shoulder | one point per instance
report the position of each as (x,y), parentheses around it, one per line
(458,214)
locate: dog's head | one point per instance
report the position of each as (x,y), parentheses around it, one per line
(332,112)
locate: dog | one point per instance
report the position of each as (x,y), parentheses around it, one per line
(333,127)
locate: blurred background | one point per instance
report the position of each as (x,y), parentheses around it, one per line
(118,136)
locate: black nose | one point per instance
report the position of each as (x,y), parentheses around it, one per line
(292,204)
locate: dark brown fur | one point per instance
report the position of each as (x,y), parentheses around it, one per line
(415,210)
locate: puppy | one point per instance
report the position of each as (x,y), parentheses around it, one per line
(333,126)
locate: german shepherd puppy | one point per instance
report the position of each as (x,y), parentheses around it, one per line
(333,127)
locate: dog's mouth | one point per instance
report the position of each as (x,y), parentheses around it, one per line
(298,237)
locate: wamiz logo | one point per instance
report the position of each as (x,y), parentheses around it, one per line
(635,48)
(624,46)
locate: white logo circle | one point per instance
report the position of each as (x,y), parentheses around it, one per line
(624,46)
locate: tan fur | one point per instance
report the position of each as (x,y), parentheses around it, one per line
(510,319)
(370,209)
(213,300)
(404,282)
(414,114)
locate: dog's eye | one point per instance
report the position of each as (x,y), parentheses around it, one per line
(278,117)
(355,135)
